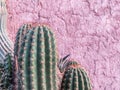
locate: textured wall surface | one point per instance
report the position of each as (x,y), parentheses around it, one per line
(88,29)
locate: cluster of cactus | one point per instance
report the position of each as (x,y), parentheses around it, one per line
(7,74)
(75,77)
(35,64)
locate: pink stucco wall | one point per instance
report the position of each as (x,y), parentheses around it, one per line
(88,29)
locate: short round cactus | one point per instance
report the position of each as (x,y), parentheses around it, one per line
(75,78)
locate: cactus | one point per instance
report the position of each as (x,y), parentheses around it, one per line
(19,37)
(37,59)
(7,75)
(75,78)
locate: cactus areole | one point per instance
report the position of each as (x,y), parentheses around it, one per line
(38,60)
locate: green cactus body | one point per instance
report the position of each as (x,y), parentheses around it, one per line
(38,60)
(1,70)
(75,78)
(19,37)
(7,76)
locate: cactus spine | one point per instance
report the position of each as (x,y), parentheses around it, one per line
(7,76)
(75,78)
(38,60)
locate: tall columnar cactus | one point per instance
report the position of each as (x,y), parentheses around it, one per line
(75,78)
(7,75)
(38,60)
(19,37)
